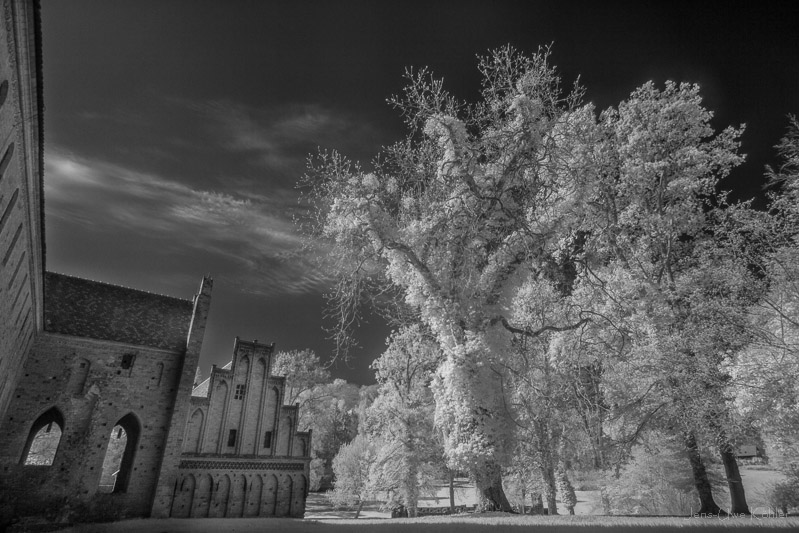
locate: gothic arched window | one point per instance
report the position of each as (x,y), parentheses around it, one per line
(43,439)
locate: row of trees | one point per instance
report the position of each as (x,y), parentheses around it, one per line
(564,279)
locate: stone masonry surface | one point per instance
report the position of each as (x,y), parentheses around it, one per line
(85,381)
(21,234)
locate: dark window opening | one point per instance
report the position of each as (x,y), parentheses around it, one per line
(127,360)
(268,439)
(6,159)
(231,438)
(3,92)
(239,392)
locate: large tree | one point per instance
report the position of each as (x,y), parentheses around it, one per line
(767,372)
(652,218)
(450,220)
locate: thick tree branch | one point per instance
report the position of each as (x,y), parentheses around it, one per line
(420,267)
(538,332)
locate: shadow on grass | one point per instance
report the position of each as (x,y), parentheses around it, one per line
(455,524)
(479,525)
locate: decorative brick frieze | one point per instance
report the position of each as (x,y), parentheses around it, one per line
(240,465)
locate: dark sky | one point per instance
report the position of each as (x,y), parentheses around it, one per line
(175,131)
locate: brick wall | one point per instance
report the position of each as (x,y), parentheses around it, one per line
(91,406)
(215,409)
(21,233)
(227,488)
(264,471)
(88,386)
(179,413)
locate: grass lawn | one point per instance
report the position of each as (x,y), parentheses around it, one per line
(320,517)
(494,522)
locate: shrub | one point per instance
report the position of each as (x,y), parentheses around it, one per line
(785,495)
(657,480)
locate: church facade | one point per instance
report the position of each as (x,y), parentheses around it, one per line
(242,456)
(100,417)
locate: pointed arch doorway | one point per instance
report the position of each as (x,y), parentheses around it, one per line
(119,456)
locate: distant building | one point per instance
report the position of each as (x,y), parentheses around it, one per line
(98,414)
(749,451)
(242,455)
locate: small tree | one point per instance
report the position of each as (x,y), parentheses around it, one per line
(567,496)
(655,480)
(785,495)
(353,467)
(332,416)
(303,371)
(401,417)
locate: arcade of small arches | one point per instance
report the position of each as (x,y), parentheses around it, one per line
(239,495)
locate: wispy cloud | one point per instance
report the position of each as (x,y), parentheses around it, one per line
(279,139)
(253,235)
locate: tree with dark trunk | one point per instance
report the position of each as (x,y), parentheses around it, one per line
(708,505)
(738,503)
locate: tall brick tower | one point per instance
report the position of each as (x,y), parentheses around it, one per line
(174,442)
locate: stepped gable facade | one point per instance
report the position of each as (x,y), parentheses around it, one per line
(96,380)
(242,455)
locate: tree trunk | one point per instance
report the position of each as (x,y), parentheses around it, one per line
(548,477)
(707,504)
(490,494)
(546,464)
(590,406)
(567,496)
(358,511)
(451,492)
(738,503)
(538,504)
(410,487)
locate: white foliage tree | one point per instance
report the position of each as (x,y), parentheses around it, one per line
(401,417)
(652,219)
(767,372)
(353,466)
(447,221)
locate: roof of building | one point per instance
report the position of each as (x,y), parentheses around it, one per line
(201,390)
(86,308)
(37,29)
